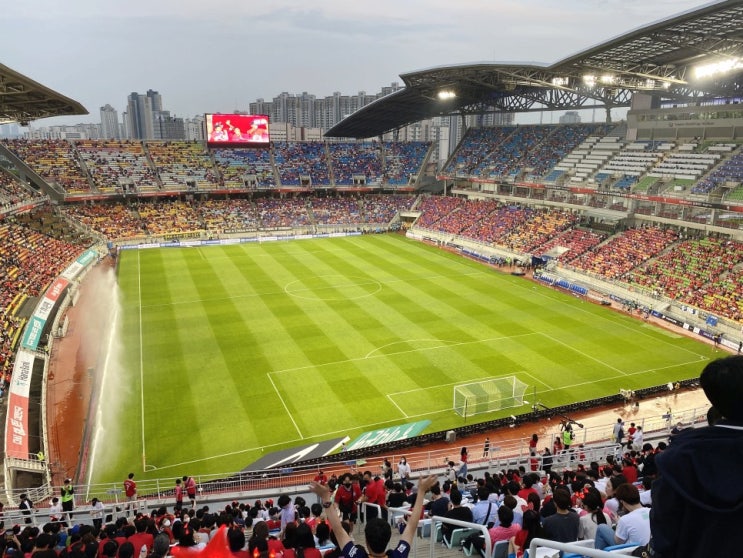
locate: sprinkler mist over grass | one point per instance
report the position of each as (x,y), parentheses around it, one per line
(109,392)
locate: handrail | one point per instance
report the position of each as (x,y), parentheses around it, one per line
(569,547)
(503,455)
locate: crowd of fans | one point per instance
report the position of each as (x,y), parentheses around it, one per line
(475,150)
(356,159)
(29,261)
(13,193)
(117,166)
(130,166)
(336,211)
(729,171)
(123,221)
(236,165)
(515,505)
(626,251)
(702,273)
(403,159)
(183,165)
(299,162)
(54,160)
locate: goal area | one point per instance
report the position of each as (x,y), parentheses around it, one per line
(486,396)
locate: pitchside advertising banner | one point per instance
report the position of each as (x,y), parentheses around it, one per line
(83,261)
(386,435)
(16,421)
(37,322)
(16,424)
(285,459)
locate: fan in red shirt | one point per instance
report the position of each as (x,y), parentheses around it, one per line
(130,490)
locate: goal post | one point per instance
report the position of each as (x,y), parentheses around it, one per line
(485,396)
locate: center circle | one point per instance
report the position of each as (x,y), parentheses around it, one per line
(333,287)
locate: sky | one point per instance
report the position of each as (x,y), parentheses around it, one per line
(221,55)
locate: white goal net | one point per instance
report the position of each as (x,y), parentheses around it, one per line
(486,396)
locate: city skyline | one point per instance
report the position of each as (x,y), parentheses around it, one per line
(222,57)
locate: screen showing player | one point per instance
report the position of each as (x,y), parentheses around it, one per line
(247,130)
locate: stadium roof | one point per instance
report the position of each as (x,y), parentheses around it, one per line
(658,59)
(23,100)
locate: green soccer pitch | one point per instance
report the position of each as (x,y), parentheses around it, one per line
(229,352)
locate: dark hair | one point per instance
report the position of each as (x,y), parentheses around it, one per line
(628,494)
(284,500)
(455,496)
(322,532)
(510,501)
(594,505)
(482,492)
(617,480)
(378,533)
(303,539)
(236,539)
(505,516)
(126,550)
(561,497)
(722,382)
(110,548)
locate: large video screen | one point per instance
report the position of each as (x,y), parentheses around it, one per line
(246,130)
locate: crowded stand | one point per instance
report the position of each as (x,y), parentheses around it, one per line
(460,218)
(236,165)
(276,213)
(475,150)
(232,215)
(29,262)
(558,494)
(696,272)
(115,220)
(118,165)
(625,251)
(350,160)
(435,208)
(183,165)
(54,160)
(381,209)
(498,226)
(402,160)
(335,211)
(542,225)
(162,217)
(507,160)
(571,244)
(12,192)
(473,214)
(301,162)
(731,170)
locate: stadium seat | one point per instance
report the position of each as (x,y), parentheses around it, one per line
(458,536)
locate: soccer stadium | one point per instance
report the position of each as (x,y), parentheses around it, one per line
(249,318)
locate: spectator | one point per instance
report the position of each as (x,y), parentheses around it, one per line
(563,525)
(633,527)
(377,531)
(691,510)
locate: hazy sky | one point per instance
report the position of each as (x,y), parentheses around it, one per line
(220,55)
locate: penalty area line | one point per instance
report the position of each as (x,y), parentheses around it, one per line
(270,379)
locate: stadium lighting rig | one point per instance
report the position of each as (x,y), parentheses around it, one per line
(446,95)
(714,68)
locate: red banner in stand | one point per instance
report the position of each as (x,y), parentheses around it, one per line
(16,429)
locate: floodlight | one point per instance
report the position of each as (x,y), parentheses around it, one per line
(721,67)
(589,80)
(607,78)
(560,81)
(446,94)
